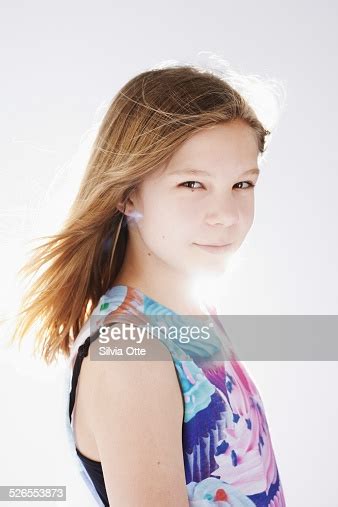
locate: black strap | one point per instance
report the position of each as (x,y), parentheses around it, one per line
(82,352)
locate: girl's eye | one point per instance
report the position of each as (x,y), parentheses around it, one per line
(249,182)
(187,184)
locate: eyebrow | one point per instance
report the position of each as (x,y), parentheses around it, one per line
(205,173)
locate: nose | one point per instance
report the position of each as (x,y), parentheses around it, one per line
(222,210)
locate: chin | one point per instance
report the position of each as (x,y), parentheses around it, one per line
(210,268)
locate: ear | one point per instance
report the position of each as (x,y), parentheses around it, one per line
(120,207)
(127,207)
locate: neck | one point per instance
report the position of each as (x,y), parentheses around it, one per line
(172,288)
(176,292)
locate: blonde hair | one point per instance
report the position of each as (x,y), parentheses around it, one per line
(147,120)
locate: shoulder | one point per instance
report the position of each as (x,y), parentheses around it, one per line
(153,380)
(135,412)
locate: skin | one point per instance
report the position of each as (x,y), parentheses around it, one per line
(166,217)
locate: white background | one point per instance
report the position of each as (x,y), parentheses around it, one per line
(61,63)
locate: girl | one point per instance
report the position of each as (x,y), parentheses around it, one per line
(168,197)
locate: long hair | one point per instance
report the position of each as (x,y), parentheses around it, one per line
(146,122)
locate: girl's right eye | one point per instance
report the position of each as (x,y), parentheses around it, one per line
(187,182)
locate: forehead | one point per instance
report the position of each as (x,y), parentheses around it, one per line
(231,146)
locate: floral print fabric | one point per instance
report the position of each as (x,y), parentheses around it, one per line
(227,450)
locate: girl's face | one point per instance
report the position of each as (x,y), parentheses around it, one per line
(204,196)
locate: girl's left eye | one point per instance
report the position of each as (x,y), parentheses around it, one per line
(248,182)
(241,182)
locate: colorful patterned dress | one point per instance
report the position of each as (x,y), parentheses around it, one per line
(227,451)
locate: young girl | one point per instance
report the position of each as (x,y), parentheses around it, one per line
(168,197)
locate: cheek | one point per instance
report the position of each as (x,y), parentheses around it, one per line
(168,233)
(250,209)
(160,226)
(174,216)
(246,215)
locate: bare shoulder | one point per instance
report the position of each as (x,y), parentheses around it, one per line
(135,412)
(157,376)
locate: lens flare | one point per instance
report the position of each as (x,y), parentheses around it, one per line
(134,217)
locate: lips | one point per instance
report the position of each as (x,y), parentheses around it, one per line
(212,244)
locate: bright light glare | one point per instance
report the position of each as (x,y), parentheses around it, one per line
(211,289)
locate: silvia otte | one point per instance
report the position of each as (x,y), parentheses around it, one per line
(129,351)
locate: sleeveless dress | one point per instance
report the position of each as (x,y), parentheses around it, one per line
(227,450)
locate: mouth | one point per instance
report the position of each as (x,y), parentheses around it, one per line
(214,248)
